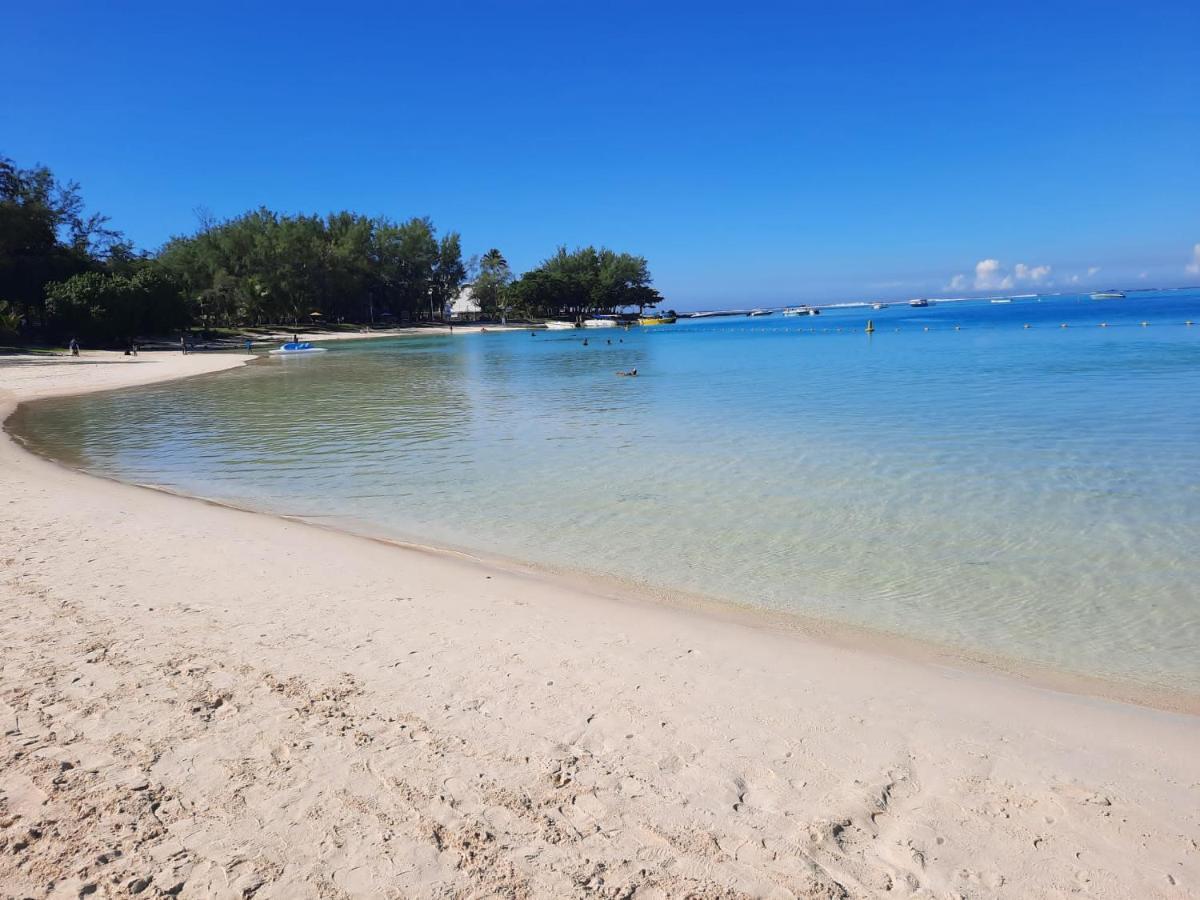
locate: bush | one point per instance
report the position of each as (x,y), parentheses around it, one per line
(10,320)
(115,308)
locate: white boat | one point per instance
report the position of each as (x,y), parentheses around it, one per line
(601,322)
(1002,300)
(760,312)
(1108,295)
(560,326)
(294,348)
(918,301)
(801,311)
(878,306)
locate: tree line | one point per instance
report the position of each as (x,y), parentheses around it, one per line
(67,273)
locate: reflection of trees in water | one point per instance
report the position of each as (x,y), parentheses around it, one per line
(268,421)
(381,400)
(443,414)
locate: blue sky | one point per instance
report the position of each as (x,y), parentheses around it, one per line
(755,153)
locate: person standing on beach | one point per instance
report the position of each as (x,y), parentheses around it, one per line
(249,345)
(183,345)
(74,347)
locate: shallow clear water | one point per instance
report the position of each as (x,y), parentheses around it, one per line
(1030,493)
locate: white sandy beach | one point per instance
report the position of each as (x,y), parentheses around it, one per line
(197,701)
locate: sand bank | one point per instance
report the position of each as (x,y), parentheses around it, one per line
(232,704)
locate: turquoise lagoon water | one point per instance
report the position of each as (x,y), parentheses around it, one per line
(1030,493)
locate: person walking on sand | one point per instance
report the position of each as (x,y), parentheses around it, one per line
(183,345)
(249,345)
(74,347)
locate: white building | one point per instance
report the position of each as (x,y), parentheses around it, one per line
(464,307)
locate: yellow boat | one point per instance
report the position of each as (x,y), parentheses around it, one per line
(656,320)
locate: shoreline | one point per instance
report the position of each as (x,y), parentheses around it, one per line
(320,337)
(763,733)
(808,627)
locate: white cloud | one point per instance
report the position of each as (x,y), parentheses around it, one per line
(1092,270)
(1194,266)
(1144,275)
(989,276)
(1074,279)
(1036,274)
(993,275)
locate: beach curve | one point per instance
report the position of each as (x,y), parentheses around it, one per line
(241,704)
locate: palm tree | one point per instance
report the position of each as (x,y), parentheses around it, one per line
(494,276)
(493,260)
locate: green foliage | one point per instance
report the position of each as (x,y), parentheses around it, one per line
(584,281)
(490,288)
(264,267)
(97,306)
(65,273)
(10,320)
(44,235)
(449,272)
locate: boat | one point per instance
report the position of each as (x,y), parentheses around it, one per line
(918,301)
(878,306)
(294,348)
(560,326)
(1108,295)
(760,312)
(603,321)
(1002,300)
(657,319)
(801,311)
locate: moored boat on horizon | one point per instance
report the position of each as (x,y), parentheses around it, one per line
(657,319)
(801,311)
(1108,295)
(555,325)
(918,301)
